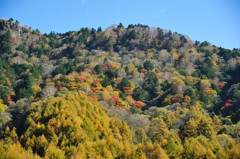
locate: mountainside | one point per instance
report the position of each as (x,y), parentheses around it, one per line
(134,92)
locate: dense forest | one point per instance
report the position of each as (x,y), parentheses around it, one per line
(124,92)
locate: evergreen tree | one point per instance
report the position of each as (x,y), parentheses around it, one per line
(132,35)
(140,94)
(99,29)
(148,65)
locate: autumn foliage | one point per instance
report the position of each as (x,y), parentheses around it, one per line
(123,92)
(139,104)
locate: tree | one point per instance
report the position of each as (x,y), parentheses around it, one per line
(148,65)
(208,70)
(11,20)
(99,69)
(190,129)
(160,36)
(110,73)
(2,106)
(121,73)
(197,43)
(6,37)
(47,91)
(183,39)
(93,31)
(106,81)
(234,94)
(205,43)
(52,43)
(54,152)
(151,85)
(140,136)
(124,83)
(2,109)
(120,25)
(132,35)
(4,93)
(178,87)
(139,104)
(140,94)
(2,25)
(99,30)
(24,87)
(215,87)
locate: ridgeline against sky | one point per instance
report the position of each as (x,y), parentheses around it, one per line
(216,21)
(124,92)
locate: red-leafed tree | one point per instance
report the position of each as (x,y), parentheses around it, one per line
(139,104)
(220,85)
(228,104)
(95,82)
(9,99)
(93,89)
(41,35)
(126,89)
(13,40)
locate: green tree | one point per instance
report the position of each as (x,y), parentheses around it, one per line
(6,37)
(6,48)
(132,35)
(5,45)
(106,81)
(24,87)
(11,19)
(140,94)
(52,43)
(205,43)
(234,94)
(124,83)
(99,29)
(203,96)
(148,65)
(191,93)
(151,85)
(2,25)
(160,36)
(4,93)
(120,25)
(93,31)
(215,87)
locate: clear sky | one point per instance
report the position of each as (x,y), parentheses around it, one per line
(216,21)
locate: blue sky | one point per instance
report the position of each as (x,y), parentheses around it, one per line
(216,21)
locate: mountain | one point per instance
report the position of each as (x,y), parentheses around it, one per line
(135,92)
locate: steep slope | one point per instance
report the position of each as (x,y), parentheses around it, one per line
(135,92)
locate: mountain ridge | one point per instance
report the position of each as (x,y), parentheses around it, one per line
(134,92)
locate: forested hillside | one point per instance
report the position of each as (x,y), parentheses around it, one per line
(123,92)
